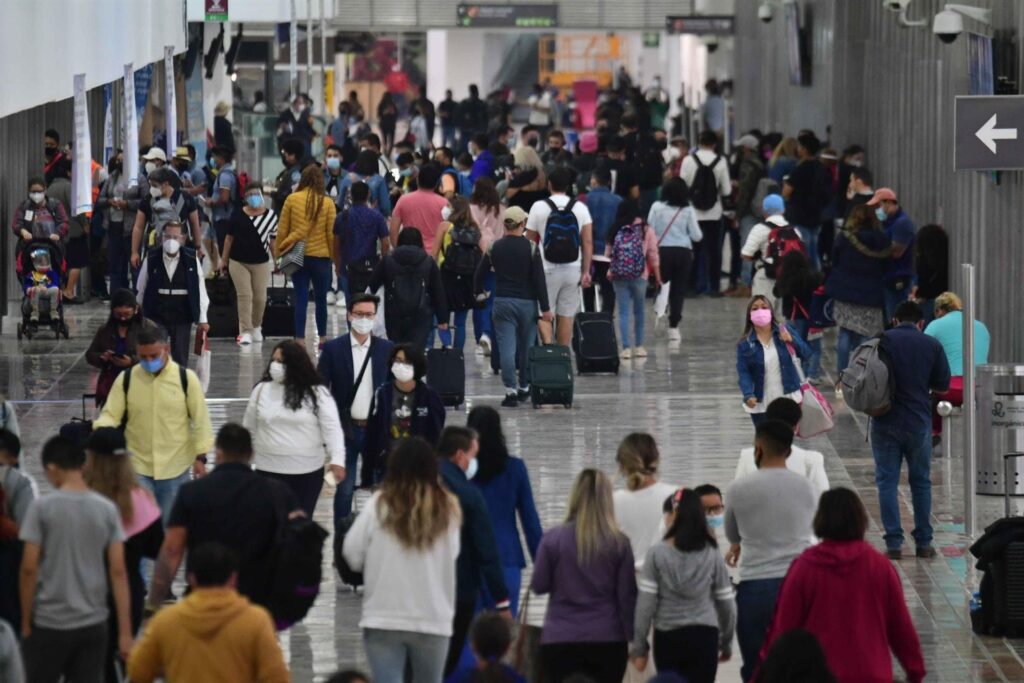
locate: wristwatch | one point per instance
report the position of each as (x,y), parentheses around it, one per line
(203,459)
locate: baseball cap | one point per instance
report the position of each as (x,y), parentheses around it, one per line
(106,441)
(182,153)
(514,216)
(588,142)
(773,203)
(155,153)
(882,194)
(748,141)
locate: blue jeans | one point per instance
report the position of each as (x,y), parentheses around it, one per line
(515,323)
(317,270)
(892,445)
(631,295)
(812,365)
(448,137)
(354,445)
(893,298)
(755,606)
(482,316)
(809,235)
(388,651)
(460,330)
(747,223)
(165,490)
(846,342)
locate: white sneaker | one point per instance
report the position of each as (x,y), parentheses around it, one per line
(674,334)
(639,352)
(626,354)
(257,335)
(245,339)
(340,300)
(331,297)
(485,344)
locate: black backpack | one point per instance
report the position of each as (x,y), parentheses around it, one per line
(298,558)
(649,164)
(349,576)
(463,254)
(561,234)
(407,295)
(704,189)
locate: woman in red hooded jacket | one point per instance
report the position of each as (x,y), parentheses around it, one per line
(849,596)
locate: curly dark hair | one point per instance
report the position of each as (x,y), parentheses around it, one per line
(300,376)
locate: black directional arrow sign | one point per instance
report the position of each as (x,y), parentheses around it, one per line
(989,133)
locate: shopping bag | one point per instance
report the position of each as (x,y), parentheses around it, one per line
(202,349)
(816,413)
(661,301)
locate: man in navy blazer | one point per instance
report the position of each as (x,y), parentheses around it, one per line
(341,362)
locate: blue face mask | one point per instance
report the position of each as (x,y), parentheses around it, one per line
(880,214)
(333,163)
(213,164)
(152,366)
(716,521)
(406,172)
(255,201)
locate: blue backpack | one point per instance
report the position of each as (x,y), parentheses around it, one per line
(561,234)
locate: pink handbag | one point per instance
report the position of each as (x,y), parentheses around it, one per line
(816,412)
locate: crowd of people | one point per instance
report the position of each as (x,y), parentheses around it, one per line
(523,229)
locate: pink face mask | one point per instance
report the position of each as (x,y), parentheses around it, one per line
(761,317)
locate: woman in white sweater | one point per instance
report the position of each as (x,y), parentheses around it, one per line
(638,507)
(294,424)
(405,542)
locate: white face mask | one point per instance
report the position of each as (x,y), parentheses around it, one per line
(156,192)
(171,247)
(674,153)
(150,167)
(472,468)
(37,197)
(363,325)
(403,372)
(446,213)
(276,371)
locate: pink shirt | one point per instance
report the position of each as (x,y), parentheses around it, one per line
(421,210)
(650,251)
(492,227)
(144,512)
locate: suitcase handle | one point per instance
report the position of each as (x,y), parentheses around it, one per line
(84,397)
(1007,457)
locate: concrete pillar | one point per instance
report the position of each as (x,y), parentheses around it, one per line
(672,79)
(219,87)
(340,78)
(437,65)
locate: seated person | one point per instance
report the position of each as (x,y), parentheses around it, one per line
(43,283)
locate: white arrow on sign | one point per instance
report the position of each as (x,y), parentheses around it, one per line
(988,134)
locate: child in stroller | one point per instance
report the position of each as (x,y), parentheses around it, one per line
(41,263)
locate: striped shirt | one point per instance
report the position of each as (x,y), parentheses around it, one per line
(251,236)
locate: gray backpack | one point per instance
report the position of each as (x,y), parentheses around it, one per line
(867,382)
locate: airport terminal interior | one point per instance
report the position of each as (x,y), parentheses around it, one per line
(882,141)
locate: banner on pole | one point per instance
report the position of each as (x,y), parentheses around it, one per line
(81,157)
(108,122)
(170,105)
(143,80)
(195,126)
(293,52)
(130,133)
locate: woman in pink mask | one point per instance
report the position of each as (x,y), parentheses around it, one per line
(765,359)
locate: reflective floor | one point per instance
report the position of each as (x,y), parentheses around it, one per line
(686,396)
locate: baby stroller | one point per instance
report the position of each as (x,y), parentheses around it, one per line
(40,266)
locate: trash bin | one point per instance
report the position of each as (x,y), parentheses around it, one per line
(1000,425)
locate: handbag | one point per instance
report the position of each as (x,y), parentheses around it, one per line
(816,413)
(293,259)
(526,653)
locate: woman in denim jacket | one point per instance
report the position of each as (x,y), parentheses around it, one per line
(764,359)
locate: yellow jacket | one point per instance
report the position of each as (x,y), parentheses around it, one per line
(213,635)
(160,437)
(294,227)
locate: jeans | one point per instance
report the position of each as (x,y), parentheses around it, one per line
(460,330)
(603,286)
(165,490)
(76,654)
(631,294)
(448,136)
(515,323)
(846,342)
(809,235)
(388,651)
(119,246)
(891,445)
(482,316)
(355,442)
(735,260)
(755,606)
(893,298)
(812,365)
(676,263)
(747,224)
(181,341)
(317,270)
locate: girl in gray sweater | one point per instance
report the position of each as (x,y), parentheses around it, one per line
(684,589)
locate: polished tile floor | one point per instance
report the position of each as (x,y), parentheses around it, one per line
(685,395)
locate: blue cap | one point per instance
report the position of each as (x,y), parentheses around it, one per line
(773,204)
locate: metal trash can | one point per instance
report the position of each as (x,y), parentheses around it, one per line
(1000,424)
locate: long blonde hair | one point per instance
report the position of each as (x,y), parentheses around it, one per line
(111,475)
(592,514)
(413,505)
(638,459)
(312,179)
(786,148)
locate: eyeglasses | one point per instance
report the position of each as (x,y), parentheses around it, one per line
(714,509)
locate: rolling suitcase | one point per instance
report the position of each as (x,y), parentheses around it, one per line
(222,313)
(446,374)
(593,340)
(551,379)
(79,429)
(279,313)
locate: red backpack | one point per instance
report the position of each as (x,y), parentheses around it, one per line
(782,240)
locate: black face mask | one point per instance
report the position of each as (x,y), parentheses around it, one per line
(116,166)
(50,152)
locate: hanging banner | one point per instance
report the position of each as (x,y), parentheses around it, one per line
(216,10)
(194,126)
(143,79)
(170,104)
(130,131)
(108,122)
(81,157)
(293,52)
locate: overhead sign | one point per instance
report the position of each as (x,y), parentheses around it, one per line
(704,25)
(652,38)
(216,10)
(989,133)
(506,16)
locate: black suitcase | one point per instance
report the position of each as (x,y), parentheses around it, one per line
(446,374)
(593,340)
(78,429)
(222,314)
(279,314)
(551,379)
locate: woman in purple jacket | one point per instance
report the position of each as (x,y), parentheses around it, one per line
(586,564)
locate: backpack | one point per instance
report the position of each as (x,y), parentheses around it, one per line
(649,163)
(561,234)
(463,254)
(349,576)
(867,383)
(164,214)
(408,293)
(704,188)
(781,240)
(765,187)
(628,261)
(298,559)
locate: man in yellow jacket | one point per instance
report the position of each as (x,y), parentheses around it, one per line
(214,634)
(162,409)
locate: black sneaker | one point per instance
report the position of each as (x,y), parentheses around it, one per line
(523,394)
(925,552)
(894,553)
(511,401)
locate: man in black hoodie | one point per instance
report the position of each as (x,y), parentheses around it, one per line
(413,291)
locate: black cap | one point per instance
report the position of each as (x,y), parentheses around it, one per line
(106,441)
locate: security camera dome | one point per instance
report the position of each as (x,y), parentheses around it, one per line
(764,13)
(947,26)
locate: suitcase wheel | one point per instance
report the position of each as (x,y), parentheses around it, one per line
(568,406)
